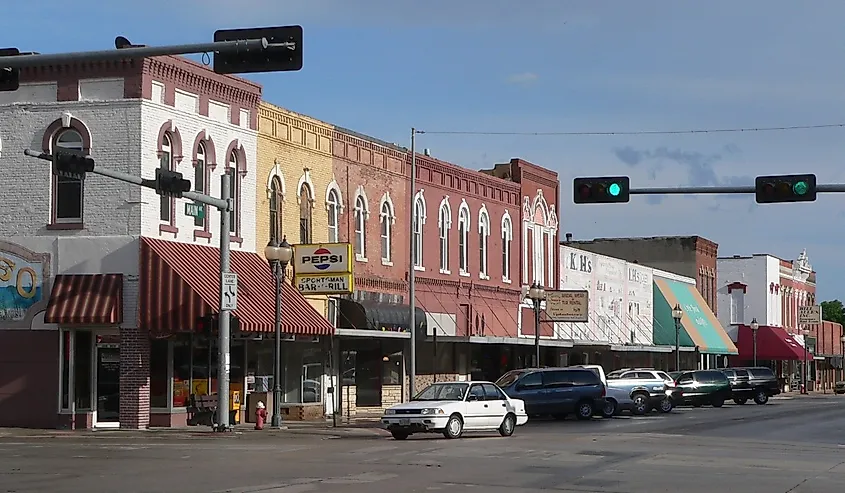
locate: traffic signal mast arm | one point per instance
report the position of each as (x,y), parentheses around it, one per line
(137,180)
(226,47)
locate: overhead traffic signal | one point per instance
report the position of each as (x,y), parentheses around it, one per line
(602,190)
(271,59)
(10,78)
(71,163)
(171,183)
(785,188)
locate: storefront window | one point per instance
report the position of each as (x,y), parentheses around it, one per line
(66,370)
(392,372)
(158,373)
(347,367)
(312,375)
(82,349)
(203,359)
(181,372)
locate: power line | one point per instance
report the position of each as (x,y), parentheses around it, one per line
(641,132)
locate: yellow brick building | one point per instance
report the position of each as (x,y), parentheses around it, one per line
(295,150)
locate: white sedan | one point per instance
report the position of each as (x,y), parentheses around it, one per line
(454,407)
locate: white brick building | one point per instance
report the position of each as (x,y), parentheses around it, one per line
(89,272)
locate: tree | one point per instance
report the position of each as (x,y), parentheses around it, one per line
(833,311)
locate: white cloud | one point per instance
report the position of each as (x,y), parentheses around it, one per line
(524,78)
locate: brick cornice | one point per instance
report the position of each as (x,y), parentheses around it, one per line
(200,80)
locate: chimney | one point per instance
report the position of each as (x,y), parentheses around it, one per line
(568,237)
(427,152)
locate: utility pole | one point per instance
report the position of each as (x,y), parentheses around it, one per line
(412,370)
(223,349)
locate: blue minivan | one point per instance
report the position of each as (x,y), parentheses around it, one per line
(556,391)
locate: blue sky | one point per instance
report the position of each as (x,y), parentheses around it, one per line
(382,66)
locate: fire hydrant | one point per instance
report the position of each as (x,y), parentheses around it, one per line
(260,416)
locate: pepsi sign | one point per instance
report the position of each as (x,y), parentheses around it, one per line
(323,258)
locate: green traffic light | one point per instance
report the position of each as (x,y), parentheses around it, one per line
(800,188)
(614,189)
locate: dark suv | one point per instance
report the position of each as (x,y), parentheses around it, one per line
(556,391)
(758,383)
(704,387)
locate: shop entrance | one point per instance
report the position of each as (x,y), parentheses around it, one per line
(107,388)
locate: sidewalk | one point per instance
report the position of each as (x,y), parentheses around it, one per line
(344,428)
(799,395)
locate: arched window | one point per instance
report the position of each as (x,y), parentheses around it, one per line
(386,218)
(463,239)
(234,194)
(166,163)
(360,227)
(276,209)
(199,183)
(444,224)
(483,236)
(507,239)
(68,194)
(419,220)
(306,205)
(333,210)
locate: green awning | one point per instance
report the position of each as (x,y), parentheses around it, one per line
(699,325)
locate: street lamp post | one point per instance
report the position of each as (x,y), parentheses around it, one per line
(536,294)
(278,256)
(804,369)
(677,314)
(754,328)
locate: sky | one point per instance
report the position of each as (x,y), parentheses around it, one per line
(381,67)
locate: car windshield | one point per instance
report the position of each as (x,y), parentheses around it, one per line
(614,374)
(508,378)
(443,392)
(664,376)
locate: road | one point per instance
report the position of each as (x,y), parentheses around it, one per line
(786,446)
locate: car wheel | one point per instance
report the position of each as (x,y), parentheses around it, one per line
(740,401)
(666,405)
(640,404)
(400,435)
(454,427)
(718,402)
(761,397)
(584,411)
(507,426)
(609,409)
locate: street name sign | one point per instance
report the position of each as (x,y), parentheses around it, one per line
(195,209)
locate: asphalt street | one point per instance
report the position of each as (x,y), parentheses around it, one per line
(790,446)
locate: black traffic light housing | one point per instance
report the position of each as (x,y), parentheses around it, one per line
(10,78)
(602,190)
(71,163)
(270,59)
(171,183)
(209,325)
(785,188)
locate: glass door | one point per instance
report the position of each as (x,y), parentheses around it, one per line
(108,386)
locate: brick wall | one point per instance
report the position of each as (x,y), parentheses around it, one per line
(298,150)
(134,379)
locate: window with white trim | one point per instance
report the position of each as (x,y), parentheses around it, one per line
(68,196)
(419,220)
(333,210)
(483,237)
(386,218)
(463,240)
(360,227)
(444,223)
(234,194)
(276,209)
(166,163)
(306,204)
(199,183)
(507,238)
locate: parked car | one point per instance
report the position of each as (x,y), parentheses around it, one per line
(616,400)
(454,407)
(647,388)
(839,387)
(556,391)
(757,383)
(701,387)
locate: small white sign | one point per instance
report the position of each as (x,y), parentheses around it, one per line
(810,314)
(568,305)
(229,283)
